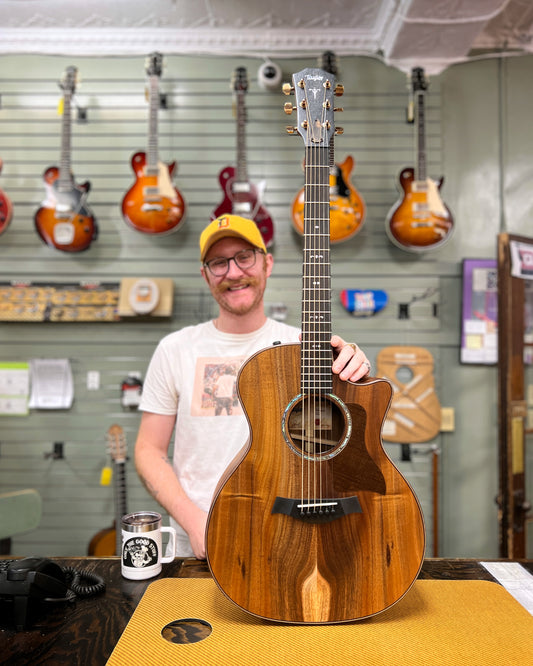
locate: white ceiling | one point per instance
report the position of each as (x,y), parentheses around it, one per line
(429,33)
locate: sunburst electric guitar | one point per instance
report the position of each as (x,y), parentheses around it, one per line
(108,541)
(312,523)
(153,205)
(64,221)
(419,220)
(346,206)
(242,197)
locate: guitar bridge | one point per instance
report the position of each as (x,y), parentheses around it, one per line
(322,510)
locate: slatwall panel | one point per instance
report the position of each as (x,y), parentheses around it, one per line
(198,130)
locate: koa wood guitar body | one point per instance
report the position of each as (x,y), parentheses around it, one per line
(419,220)
(64,221)
(313,523)
(153,205)
(241,196)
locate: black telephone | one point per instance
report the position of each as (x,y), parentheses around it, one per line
(27,583)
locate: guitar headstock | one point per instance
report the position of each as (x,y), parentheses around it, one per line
(154,64)
(116,442)
(239,80)
(418,79)
(69,80)
(314,90)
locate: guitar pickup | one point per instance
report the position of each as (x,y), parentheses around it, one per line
(240,187)
(322,510)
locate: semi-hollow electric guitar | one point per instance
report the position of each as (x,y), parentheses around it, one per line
(153,205)
(313,523)
(6,208)
(108,541)
(64,221)
(346,206)
(242,197)
(419,220)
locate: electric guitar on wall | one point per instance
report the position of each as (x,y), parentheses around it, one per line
(108,541)
(241,197)
(346,206)
(6,208)
(64,221)
(419,220)
(153,205)
(312,523)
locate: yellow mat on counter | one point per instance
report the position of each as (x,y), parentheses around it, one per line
(437,623)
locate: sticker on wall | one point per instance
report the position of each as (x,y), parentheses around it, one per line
(363,302)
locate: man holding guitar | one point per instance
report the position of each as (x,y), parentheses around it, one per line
(180,388)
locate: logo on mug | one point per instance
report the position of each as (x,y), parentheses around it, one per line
(139,552)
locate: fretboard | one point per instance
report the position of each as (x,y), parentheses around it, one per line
(242,171)
(421,172)
(64,181)
(151,168)
(120,502)
(316,281)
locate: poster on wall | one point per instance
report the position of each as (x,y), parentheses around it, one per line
(479,335)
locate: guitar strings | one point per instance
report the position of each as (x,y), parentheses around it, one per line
(316,247)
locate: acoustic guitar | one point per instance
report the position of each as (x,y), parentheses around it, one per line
(419,220)
(64,221)
(6,208)
(312,523)
(153,205)
(242,197)
(346,206)
(108,541)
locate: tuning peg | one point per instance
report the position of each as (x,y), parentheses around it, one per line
(287,89)
(288,108)
(291,130)
(339,90)
(338,108)
(339,130)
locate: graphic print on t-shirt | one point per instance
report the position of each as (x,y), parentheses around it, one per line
(215,387)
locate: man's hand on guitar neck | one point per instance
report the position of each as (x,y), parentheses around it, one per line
(351,363)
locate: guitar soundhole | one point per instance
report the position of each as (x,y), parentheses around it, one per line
(317,426)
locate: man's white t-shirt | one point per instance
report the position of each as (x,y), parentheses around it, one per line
(182,379)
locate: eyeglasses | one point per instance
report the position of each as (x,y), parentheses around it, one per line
(244,259)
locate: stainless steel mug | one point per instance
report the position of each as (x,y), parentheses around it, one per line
(142,544)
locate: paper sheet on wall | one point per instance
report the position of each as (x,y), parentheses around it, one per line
(14,388)
(51,384)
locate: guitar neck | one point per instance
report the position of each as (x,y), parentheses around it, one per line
(421,168)
(64,180)
(241,170)
(153,148)
(120,501)
(316,283)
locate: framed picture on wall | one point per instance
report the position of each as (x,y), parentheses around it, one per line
(479,331)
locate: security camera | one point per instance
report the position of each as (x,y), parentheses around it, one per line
(269,75)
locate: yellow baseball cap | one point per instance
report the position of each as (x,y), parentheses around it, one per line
(230,225)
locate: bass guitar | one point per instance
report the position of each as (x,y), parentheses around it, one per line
(346,206)
(64,221)
(419,220)
(241,197)
(153,205)
(6,208)
(108,541)
(312,523)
